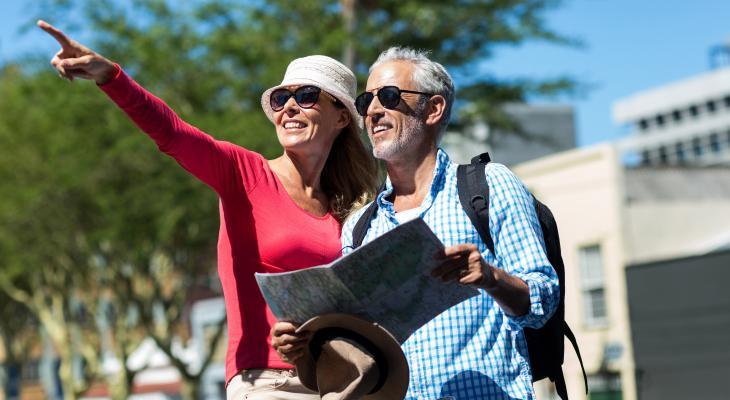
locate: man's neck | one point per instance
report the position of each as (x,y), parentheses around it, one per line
(411,177)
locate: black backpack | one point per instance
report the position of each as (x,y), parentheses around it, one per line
(545,345)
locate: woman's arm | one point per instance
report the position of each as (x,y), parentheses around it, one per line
(211,161)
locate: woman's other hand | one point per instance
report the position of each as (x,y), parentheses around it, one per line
(287,343)
(75,60)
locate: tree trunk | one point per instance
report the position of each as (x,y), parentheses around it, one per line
(348,17)
(190,388)
(66,375)
(120,385)
(51,319)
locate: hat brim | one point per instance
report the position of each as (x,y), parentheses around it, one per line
(396,383)
(356,119)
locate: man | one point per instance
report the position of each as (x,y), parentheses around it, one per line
(476,349)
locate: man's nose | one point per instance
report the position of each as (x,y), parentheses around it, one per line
(375,107)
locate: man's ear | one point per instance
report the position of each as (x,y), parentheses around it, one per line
(435,110)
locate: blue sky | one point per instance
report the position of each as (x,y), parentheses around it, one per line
(630,45)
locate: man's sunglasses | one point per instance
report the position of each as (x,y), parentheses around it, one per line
(305,96)
(389,97)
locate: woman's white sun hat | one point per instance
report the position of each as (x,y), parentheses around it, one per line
(324,72)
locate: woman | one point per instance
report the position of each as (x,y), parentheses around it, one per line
(324,173)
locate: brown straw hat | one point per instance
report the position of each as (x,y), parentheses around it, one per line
(350,358)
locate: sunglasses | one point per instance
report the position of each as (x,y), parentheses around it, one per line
(389,97)
(306,96)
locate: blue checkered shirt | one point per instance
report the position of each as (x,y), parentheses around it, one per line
(474,350)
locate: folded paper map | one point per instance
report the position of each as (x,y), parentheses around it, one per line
(386,281)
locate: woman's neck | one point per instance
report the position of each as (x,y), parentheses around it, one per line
(303,172)
(301,178)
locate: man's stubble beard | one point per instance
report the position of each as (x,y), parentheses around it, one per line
(413,128)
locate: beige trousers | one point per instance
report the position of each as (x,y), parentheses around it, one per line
(274,384)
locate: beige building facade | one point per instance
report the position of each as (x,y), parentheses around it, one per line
(583,188)
(610,217)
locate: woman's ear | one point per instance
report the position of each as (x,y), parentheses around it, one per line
(344,119)
(435,110)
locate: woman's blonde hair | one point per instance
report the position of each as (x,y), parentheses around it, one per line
(349,177)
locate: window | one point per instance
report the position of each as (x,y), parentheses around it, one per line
(711,106)
(605,385)
(679,149)
(697,146)
(643,124)
(31,371)
(694,111)
(663,155)
(592,285)
(660,120)
(645,157)
(715,143)
(727,101)
(677,115)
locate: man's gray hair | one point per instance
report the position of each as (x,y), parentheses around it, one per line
(429,76)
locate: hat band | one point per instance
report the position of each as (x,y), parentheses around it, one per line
(326,334)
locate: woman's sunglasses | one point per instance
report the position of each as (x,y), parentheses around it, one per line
(305,96)
(389,97)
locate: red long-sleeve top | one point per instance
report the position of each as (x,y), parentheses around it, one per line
(261,228)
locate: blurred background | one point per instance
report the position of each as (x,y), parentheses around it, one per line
(616,114)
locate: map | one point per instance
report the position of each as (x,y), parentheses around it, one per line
(386,281)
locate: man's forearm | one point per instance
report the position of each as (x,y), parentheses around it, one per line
(510,292)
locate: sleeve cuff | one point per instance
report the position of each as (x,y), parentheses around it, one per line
(120,88)
(536,316)
(117,73)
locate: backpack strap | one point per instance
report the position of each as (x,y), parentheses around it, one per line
(471,183)
(558,378)
(571,337)
(560,387)
(362,225)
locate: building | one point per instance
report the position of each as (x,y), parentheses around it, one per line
(546,129)
(614,219)
(675,212)
(584,190)
(680,325)
(678,233)
(685,122)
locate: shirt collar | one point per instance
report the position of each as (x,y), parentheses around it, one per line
(439,178)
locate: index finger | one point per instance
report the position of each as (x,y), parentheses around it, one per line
(283,327)
(458,250)
(60,37)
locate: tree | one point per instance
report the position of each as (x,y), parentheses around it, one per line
(18,336)
(459,34)
(250,43)
(69,249)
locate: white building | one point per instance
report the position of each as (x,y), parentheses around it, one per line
(679,123)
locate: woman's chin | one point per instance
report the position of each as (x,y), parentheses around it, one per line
(297,145)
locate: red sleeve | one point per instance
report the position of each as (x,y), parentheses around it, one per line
(221,165)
